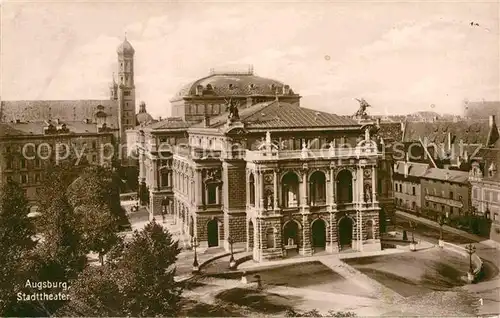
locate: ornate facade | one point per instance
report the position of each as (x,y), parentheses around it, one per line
(274,177)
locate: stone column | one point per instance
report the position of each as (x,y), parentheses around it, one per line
(198,184)
(303,190)
(247,178)
(275,197)
(374,186)
(261,190)
(306,236)
(331,190)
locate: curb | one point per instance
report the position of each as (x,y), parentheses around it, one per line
(184,278)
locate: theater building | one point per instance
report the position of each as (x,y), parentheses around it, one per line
(274,177)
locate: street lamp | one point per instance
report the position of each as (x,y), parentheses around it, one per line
(195,244)
(232,262)
(471,249)
(441,221)
(413,226)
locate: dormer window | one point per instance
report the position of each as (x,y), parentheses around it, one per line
(231,86)
(209,87)
(252,86)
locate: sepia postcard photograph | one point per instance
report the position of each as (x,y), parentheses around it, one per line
(249,158)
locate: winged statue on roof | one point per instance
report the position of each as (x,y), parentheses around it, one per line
(363,105)
(232,109)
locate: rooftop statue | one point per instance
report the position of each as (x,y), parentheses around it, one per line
(363,105)
(232,108)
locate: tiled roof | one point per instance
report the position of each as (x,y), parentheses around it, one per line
(169,123)
(391,131)
(487,156)
(233,85)
(37,128)
(414,169)
(64,110)
(482,109)
(437,132)
(283,115)
(447,175)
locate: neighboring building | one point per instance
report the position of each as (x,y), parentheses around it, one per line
(445,192)
(143,117)
(209,95)
(258,175)
(27,148)
(482,109)
(118,113)
(445,144)
(407,192)
(485,180)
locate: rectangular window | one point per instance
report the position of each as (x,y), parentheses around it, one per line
(487,195)
(414,191)
(212,194)
(24,179)
(126,93)
(94,158)
(474,193)
(10,164)
(94,144)
(37,177)
(23,164)
(494,196)
(451,195)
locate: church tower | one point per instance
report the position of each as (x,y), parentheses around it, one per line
(125,92)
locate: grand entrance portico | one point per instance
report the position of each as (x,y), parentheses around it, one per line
(324,202)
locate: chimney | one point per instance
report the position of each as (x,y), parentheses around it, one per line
(492,120)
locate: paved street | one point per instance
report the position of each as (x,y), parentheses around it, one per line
(487,290)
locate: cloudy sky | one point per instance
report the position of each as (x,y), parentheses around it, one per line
(400,56)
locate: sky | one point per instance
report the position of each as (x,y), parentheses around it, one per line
(400,56)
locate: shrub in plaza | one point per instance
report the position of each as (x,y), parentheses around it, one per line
(138,280)
(16,246)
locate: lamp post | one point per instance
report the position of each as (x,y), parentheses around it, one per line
(471,249)
(413,226)
(232,262)
(194,242)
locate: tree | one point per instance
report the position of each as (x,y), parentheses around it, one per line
(148,261)
(96,293)
(16,245)
(137,281)
(99,186)
(98,228)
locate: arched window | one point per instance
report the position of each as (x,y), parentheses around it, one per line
(344,187)
(318,188)
(290,190)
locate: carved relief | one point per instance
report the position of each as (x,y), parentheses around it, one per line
(367,173)
(212,175)
(268,178)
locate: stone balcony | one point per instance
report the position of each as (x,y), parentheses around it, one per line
(329,153)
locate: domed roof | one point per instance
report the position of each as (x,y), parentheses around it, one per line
(234,84)
(125,48)
(143,117)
